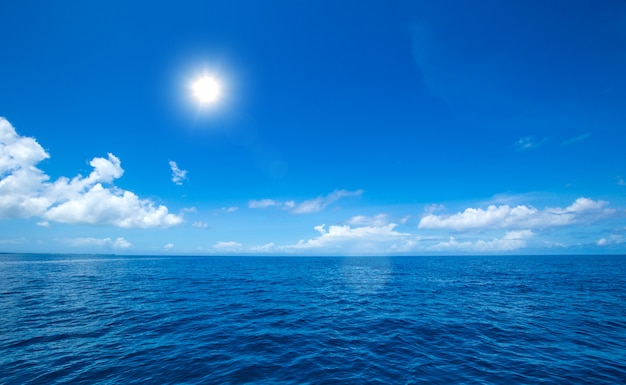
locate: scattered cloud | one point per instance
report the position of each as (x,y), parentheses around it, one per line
(613,239)
(347,237)
(25,190)
(231,209)
(178,175)
(512,240)
(522,216)
(200,225)
(228,246)
(363,220)
(119,243)
(529,142)
(267,248)
(308,206)
(263,203)
(576,139)
(431,209)
(321,202)
(43,224)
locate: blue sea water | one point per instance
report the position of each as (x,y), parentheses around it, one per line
(70,319)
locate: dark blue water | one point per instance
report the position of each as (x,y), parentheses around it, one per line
(217,320)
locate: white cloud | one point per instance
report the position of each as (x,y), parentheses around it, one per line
(263,203)
(43,224)
(200,225)
(345,236)
(318,204)
(308,206)
(228,246)
(87,241)
(231,209)
(267,248)
(613,239)
(512,240)
(169,246)
(178,175)
(505,216)
(363,220)
(620,181)
(119,243)
(576,139)
(25,190)
(22,183)
(406,246)
(529,142)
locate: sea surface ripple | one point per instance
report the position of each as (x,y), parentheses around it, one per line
(71,319)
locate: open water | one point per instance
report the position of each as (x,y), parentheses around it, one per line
(68,319)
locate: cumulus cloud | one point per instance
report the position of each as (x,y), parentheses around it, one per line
(231,209)
(512,240)
(22,183)
(200,225)
(169,246)
(121,243)
(25,190)
(529,142)
(178,175)
(522,216)
(308,206)
(345,236)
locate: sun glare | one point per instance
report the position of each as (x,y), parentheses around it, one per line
(206,90)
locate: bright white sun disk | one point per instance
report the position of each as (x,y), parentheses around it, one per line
(206,89)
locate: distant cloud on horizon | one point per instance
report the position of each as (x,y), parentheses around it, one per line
(118,243)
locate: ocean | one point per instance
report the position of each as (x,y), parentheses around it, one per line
(91,319)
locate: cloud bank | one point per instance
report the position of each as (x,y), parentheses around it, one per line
(26,191)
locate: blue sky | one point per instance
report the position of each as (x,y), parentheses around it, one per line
(341,128)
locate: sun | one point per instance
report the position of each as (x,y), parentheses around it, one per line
(206,90)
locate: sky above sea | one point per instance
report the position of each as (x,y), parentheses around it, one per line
(332,128)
